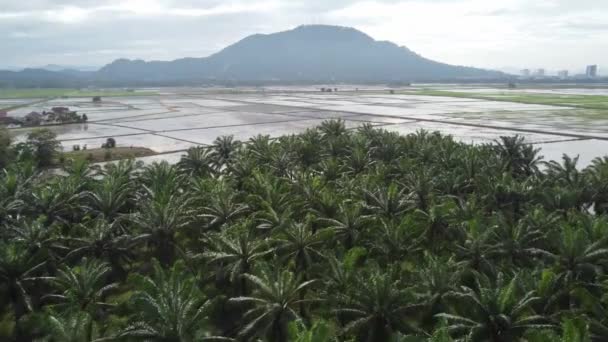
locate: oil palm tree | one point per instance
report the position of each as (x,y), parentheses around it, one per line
(275,303)
(305,148)
(83,287)
(320,332)
(437,224)
(168,307)
(359,159)
(269,220)
(520,243)
(333,128)
(223,150)
(71,326)
(268,191)
(421,186)
(19,270)
(351,222)
(197,162)
(597,175)
(475,248)
(330,169)
(390,240)
(519,158)
(223,208)
(236,254)
(103,240)
(567,176)
(160,216)
(56,201)
(12,188)
(387,202)
(376,306)
(111,196)
(301,245)
(261,148)
(578,258)
(160,178)
(81,172)
(434,282)
(497,313)
(36,236)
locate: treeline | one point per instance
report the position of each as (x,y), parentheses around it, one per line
(330,235)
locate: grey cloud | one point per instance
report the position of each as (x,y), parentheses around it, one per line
(106,35)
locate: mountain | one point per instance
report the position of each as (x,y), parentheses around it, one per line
(307,53)
(35,78)
(315,53)
(56,67)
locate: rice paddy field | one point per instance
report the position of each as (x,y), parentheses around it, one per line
(572,120)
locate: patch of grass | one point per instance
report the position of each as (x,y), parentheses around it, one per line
(97,155)
(23,105)
(59,92)
(574,101)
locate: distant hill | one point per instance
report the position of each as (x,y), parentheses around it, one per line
(33,78)
(316,53)
(307,53)
(55,67)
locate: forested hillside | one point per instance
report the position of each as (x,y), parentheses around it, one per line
(330,235)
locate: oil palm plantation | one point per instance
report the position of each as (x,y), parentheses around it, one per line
(416,237)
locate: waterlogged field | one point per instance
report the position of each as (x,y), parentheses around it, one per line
(169,121)
(586,101)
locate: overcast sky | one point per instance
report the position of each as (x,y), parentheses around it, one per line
(554,34)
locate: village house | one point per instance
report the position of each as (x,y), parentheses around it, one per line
(60,110)
(33,119)
(8,121)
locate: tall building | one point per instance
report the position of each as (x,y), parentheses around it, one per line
(525,73)
(540,73)
(591,71)
(563,74)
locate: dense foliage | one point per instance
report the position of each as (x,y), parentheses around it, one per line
(329,235)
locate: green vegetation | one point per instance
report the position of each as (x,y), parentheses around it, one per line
(330,235)
(44,146)
(576,101)
(96,155)
(5,150)
(9,93)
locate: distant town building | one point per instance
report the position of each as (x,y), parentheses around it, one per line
(525,73)
(540,72)
(591,71)
(60,110)
(97,99)
(563,74)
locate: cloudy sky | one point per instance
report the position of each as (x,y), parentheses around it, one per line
(554,34)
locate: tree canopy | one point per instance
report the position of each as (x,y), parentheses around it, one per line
(329,235)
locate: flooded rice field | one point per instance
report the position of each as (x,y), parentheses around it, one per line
(177,119)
